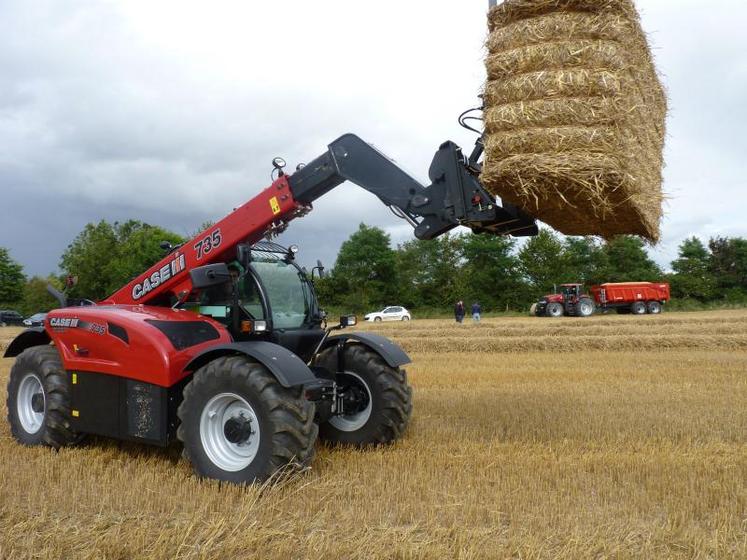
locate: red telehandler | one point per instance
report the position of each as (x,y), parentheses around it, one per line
(222,344)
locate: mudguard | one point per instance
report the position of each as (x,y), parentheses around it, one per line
(35,336)
(393,355)
(288,369)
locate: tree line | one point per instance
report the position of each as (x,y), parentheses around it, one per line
(502,273)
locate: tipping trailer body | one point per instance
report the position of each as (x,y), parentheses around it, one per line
(625,294)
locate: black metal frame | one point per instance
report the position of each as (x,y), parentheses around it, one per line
(454,197)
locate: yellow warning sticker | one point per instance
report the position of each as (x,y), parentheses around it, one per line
(275,205)
(75,413)
(75,379)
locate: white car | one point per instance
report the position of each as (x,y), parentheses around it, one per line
(391,313)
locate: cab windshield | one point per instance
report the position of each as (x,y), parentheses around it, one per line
(288,292)
(569,291)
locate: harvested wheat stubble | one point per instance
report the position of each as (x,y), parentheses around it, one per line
(575,116)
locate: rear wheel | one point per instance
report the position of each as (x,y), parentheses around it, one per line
(654,307)
(376,398)
(638,308)
(39,399)
(240,425)
(405,318)
(554,309)
(585,307)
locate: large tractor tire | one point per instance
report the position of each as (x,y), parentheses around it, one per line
(383,394)
(638,308)
(585,308)
(654,307)
(238,424)
(554,309)
(38,400)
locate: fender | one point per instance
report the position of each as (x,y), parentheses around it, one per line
(393,355)
(288,369)
(35,336)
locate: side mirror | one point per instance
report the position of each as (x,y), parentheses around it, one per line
(244,254)
(319,269)
(209,275)
(348,321)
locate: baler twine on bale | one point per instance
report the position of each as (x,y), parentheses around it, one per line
(575,116)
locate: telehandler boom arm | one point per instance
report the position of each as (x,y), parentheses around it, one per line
(454,197)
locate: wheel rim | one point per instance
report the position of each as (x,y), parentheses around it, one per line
(31,403)
(586,308)
(555,311)
(353,422)
(229,432)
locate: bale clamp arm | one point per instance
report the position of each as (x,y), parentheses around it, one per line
(454,197)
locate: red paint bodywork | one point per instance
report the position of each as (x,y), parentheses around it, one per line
(246,224)
(560,298)
(629,292)
(147,356)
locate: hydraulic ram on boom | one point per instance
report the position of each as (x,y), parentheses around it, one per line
(454,197)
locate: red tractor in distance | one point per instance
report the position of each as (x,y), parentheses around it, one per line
(222,345)
(570,301)
(637,298)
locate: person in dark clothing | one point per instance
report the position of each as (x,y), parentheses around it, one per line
(459,311)
(476,312)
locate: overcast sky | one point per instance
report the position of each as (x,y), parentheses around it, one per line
(170,112)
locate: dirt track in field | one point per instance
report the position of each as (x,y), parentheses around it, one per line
(614,436)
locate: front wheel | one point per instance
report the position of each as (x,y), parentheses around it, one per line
(377,319)
(554,310)
(38,400)
(375,398)
(238,424)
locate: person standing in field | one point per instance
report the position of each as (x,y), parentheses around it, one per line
(476,311)
(459,311)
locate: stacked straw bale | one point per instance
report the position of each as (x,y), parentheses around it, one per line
(575,116)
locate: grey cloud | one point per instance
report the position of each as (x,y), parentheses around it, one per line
(171,112)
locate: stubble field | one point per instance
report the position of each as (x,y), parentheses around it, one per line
(610,437)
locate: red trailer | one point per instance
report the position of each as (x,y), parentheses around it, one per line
(632,297)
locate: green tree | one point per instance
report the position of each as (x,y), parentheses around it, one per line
(104,256)
(492,272)
(692,276)
(585,259)
(728,263)
(543,262)
(12,280)
(365,273)
(429,272)
(36,298)
(628,261)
